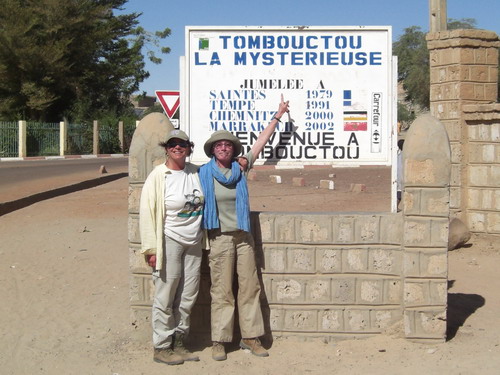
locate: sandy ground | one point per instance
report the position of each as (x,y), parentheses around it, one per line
(65,306)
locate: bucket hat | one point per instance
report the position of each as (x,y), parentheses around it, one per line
(220,135)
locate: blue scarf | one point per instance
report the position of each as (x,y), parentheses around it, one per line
(207,174)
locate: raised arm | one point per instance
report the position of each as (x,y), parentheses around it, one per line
(269,129)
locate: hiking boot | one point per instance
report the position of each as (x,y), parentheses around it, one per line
(167,356)
(180,349)
(254,346)
(219,351)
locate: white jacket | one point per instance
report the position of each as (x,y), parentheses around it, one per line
(152,212)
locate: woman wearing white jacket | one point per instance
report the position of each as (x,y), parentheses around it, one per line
(171,210)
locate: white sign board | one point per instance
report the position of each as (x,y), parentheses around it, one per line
(338,80)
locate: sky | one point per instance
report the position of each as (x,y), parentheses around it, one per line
(399,14)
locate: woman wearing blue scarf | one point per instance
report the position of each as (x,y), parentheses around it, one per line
(227,220)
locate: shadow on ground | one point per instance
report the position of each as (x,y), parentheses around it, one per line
(460,307)
(17,204)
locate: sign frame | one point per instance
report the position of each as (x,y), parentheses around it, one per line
(201,65)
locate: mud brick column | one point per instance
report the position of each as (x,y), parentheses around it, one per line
(427,161)
(145,154)
(483,190)
(463,71)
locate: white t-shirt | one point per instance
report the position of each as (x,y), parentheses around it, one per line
(183,207)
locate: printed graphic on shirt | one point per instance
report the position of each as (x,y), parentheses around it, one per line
(194,204)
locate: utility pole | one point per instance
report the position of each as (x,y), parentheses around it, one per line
(437,14)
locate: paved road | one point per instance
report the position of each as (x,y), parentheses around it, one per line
(21,179)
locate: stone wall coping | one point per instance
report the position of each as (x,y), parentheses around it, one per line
(481,112)
(462,38)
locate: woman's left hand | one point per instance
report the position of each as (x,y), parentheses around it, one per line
(283,108)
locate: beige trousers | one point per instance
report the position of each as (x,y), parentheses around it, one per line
(176,288)
(228,251)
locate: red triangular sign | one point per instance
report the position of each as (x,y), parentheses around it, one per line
(169,100)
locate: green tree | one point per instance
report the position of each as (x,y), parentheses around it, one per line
(413,65)
(73,58)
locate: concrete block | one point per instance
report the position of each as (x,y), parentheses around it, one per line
(328,260)
(134,198)
(264,228)
(435,202)
(275,179)
(355,260)
(369,292)
(290,290)
(455,175)
(476,221)
(277,319)
(314,229)
(301,320)
(141,289)
(455,198)
(298,181)
(391,229)
(326,184)
(343,229)
(367,229)
(393,292)
(431,323)
(438,292)
(331,320)
(416,293)
(411,263)
(411,201)
(434,264)
(493,222)
(301,260)
(357,320)
(133,229)
(494,176)
(439,232)
(318,291)
(137,262)
(383,319)
(357,188)
(275,259)
(343,291)
(285,228)
(417,232)
(425,323)
(384,261)
(478,175)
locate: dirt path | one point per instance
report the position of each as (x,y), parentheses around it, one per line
(65,305)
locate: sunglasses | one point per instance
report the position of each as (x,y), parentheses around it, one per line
(173,144)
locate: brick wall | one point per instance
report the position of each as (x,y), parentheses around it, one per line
(332,275)
(483,170)
(464,89)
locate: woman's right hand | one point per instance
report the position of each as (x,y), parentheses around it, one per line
(151,260)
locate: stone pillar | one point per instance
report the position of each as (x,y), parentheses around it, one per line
(463,71)
(22,151)
(426,160)
(63,137)
(144,155)
(120,136)
(95,138)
